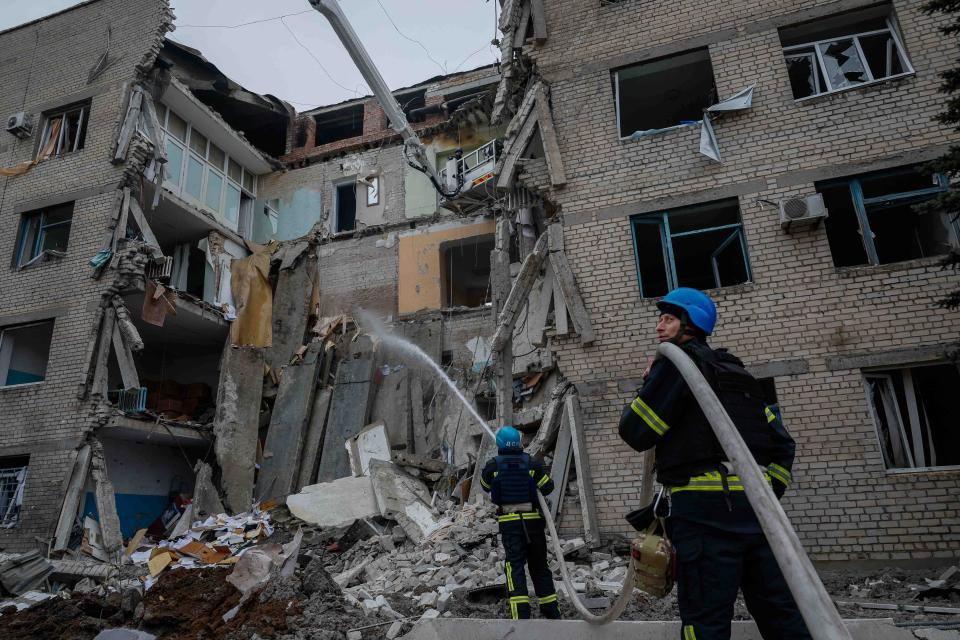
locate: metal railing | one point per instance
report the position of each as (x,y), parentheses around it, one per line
(130,400)
(12,480)
(476,164)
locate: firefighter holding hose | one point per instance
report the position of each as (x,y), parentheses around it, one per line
(720,547)
(513,479)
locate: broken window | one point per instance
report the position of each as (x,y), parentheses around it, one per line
(411,102)
(664,93)
(67,126)
(466,271)
(843,51)
(24,350)
(203,174)
(340,124)
(702,246)
(914,415)
(13,479)
(42,234)
(346,203)
(873,220)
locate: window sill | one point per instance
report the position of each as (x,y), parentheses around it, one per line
(890,267)
(830,95)
(637,136)
(952,469)
(25,385)
(717,293)
(59,157)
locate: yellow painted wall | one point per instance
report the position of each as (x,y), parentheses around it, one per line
(420,267)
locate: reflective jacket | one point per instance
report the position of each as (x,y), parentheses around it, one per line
(514,479)
(665,415)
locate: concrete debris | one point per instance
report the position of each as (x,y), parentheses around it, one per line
(334,504)
(24,572)
(372,443)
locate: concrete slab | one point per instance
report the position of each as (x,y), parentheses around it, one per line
(480,629)
(314,438)
(391,403)
(334,504)
(404,498)
(280,467)
(291,308)
(349,408)
(235,423)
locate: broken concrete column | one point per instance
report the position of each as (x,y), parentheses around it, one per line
(279,469)
(349,408)
(314,438)
(206,500)
(106,502)
(500,289)
(519,294)
(235,423)
(71,499)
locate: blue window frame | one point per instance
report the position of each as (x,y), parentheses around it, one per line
(873,219)
(42,232)
(701,246)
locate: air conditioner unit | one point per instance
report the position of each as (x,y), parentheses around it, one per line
(800,213)
(19,125)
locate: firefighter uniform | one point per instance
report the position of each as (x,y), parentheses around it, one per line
(513,479)
(719,544)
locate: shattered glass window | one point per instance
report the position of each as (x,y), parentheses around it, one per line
(701,246)
(843,51)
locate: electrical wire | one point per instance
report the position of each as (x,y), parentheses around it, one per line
(443,67)
(315,58)
(242,24)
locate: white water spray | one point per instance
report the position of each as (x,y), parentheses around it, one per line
(409,349)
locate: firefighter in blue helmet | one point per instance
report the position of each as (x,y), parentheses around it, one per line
(719,544)
(513,478)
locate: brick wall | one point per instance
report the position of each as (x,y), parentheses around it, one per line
(45,65)
(798,305)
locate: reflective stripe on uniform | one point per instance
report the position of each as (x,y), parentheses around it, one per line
(512,517)
(771,416)
(483,483)
(532,515)
(780,473)
(649,416)
(688,632)
(517,600)
(544,480)
(713,481)
(547,599)
(509,577)
(508,517)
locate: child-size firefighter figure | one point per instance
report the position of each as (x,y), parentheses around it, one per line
(513,479)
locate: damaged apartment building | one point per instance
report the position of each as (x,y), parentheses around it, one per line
(193,266)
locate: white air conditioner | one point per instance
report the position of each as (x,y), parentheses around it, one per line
(19,125)
(799,213)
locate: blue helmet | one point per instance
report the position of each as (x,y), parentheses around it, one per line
(701,311)
(508,438)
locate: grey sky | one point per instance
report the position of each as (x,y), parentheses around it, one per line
(264,57)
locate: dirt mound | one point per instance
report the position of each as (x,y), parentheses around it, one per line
(57,619)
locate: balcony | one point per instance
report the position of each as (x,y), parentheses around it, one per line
(475,171)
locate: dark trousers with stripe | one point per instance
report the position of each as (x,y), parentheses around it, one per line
(712,565)
(525,545)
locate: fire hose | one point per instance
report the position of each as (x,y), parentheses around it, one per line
(818,611)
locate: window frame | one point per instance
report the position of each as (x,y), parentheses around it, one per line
(6,372)
(23,231)
(908,437)
(9,470)
(62,112)
(821,68)
(227,181)
(662,220)
(336,205)
(861,204)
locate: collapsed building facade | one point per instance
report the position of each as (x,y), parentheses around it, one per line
(188,258)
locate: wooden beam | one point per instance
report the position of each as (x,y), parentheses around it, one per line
(128,369)
(548,134)
(129,126)
(519,293)
(568,285)
(581,459)
(539,21)
(514,149)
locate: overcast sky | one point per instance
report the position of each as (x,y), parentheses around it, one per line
(266,58)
